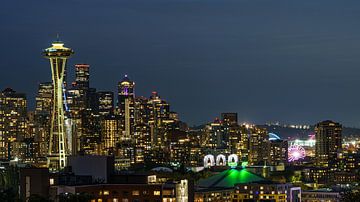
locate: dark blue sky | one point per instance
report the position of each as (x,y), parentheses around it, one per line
(288,61)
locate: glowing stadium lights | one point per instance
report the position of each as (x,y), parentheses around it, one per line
(296,152)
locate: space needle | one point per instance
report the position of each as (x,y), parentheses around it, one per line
(58,56)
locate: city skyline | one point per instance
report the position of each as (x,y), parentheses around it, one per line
(269,71)
(180,100)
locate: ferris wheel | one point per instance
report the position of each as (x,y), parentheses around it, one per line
(296,152)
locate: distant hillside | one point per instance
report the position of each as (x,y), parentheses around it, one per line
(286,132)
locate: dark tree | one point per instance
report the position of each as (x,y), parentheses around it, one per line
(350,196)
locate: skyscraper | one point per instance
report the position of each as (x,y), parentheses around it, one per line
(82,75)
(328,142)
(126,97)
(44,99)
(58,55)
(77,96)
(12,123)
(42,117)
(278,152)
(105,103)
(158,111)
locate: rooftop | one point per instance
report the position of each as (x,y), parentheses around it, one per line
(229,178)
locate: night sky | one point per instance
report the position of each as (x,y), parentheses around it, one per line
(287,61)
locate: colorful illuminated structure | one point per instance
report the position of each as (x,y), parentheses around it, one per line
(58,55)
(126,96)
(232,160)
(273,136)
(296,152)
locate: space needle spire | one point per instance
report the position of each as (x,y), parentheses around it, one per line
(58,56)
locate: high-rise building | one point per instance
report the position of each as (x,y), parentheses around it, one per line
(158,112)
(328,142)
(111,134)
(77,96)
(89,132)
(42,117)
(58,56)
(82,76)
(254,145)
(216,136)
(12,123)
(278,152)
(126,97)
(142,143)
(105,103)
(44,98)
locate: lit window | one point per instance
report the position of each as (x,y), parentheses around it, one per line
(135,193)
(115,200)
(106,192)
(51,181)
(245,187)
(157,193)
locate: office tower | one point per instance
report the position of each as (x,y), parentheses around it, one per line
(92,100)
(58,55)
(179,147)
(105,103)
(126,111)
(30,144)
(42,117)
(216,133)
(254,145)
(278,152)
(141,110)
(12,123)
(158,111)
(142,143)
(126,96)
(328,142)
(231,132)
(77,95)
(111,132)
(89,132)
(82,76)
(44,98)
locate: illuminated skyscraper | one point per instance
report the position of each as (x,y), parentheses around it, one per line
(82,75)
(105,103)
(158,111)
(58,55)
(126,97)
(12,123)
(278,152)
(42,117)
(44,99)
(110,134)
(328,142)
